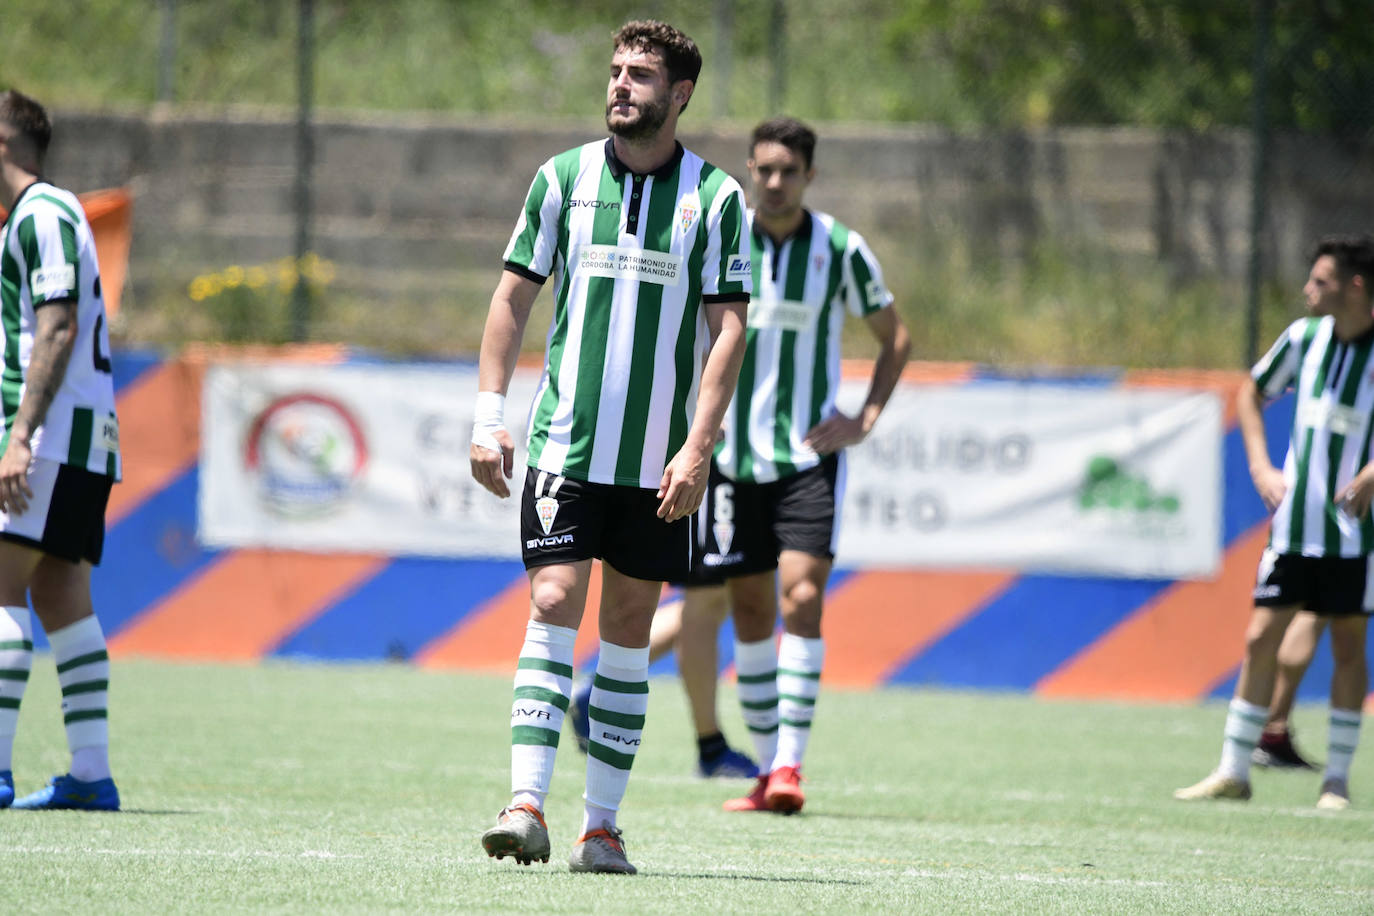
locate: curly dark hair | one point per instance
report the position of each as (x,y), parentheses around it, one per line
(680,54)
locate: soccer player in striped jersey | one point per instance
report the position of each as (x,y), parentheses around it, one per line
(58,460)
(648,250)
(1322,534)
(770,523)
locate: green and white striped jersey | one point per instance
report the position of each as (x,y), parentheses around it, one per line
(633,257)
(791,373)
(47,254)
(1332,421)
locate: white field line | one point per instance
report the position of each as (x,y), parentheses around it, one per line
(203,853)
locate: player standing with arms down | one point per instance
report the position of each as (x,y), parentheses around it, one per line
(649,253)
(59,458)
(1321,540)
(771,519)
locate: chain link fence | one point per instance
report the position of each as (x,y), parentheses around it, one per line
(1047,182)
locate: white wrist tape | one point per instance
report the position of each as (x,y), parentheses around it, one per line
(488,416)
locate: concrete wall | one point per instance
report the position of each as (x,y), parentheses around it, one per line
(424,206)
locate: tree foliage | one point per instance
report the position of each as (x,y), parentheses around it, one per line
(1177,63)
(964,63)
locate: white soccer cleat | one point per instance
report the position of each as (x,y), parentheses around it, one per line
(1335,795)
(1215,786)
(519,833)
(600,851)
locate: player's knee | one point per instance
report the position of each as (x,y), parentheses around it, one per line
(550,602)
(1262,640)
(804,595)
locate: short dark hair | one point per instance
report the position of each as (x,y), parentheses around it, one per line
(1353,254)
(791,133)
(28,119)
(680,54)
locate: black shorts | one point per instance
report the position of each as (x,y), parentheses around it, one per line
(1329,586)
(66,516)
(563,520)
(743,526)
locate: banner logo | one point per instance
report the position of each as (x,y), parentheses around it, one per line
(1106,485)
(307,452)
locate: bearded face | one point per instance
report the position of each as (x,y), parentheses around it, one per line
(643,120)
(639,95)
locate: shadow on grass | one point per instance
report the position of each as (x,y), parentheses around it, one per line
(859,816)
(159,812)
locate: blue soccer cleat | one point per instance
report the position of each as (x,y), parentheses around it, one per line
(6,788)
(578,713)
(729,764)
(65,793)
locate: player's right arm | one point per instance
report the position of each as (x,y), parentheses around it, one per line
(492,453)
(54,337)
(1276,371)
(1269,481)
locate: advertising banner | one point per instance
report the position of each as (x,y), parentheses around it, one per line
(1040,477)
(366,458)
(1012,475)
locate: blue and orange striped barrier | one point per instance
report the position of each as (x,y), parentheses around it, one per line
(159,593)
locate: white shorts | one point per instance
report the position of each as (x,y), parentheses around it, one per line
(66,514)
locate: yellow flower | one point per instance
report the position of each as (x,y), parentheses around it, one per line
(201,289)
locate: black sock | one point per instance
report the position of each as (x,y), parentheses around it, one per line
(712,746)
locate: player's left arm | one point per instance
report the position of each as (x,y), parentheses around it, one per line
(54,338)
(840,430)
(684,479)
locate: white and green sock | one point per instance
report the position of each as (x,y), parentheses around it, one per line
(83,670)
(756,674)
(799,682)
(1342,738)
(1244,723)
(16,660)
(543,688)
(616,710)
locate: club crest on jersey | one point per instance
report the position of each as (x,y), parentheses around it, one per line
(546,507)
(725,533)
(686,218)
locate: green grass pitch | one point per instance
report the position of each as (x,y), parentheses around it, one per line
(334,788)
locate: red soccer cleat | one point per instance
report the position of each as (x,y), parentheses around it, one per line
(754,801)
(784,793)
